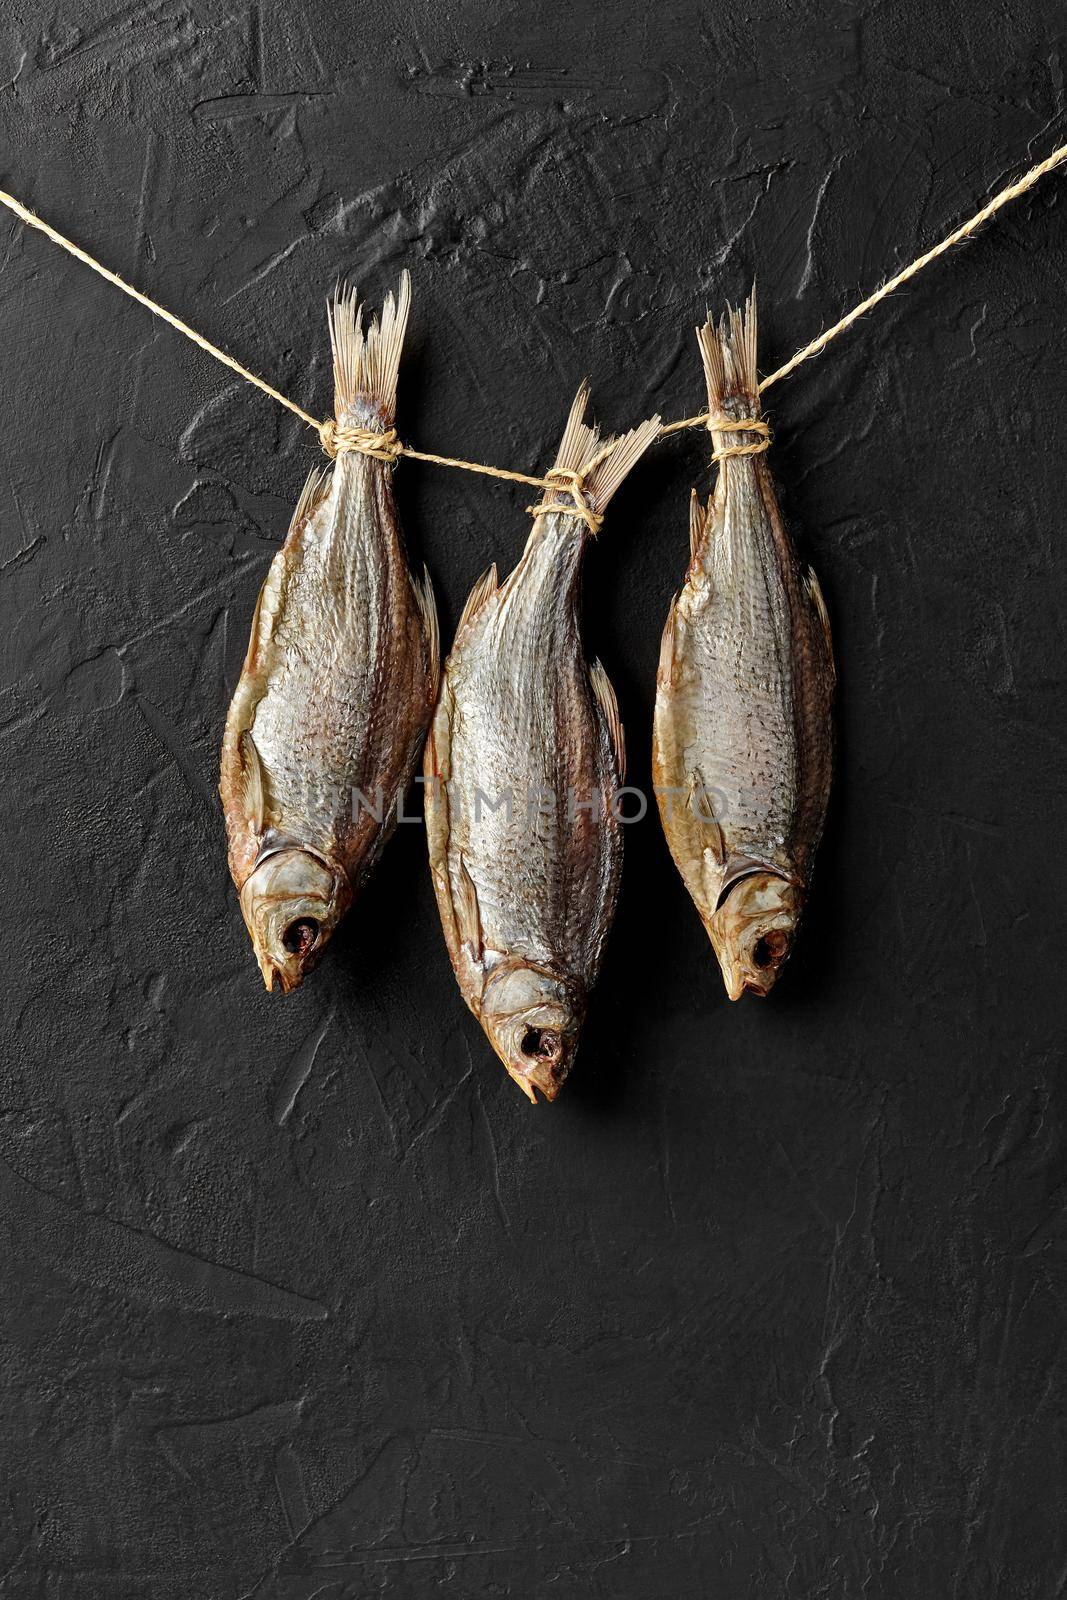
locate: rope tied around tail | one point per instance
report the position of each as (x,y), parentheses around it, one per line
(740,425)
(339,439)
(571,482)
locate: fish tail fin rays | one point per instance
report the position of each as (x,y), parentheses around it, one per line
(366,362)
(580,442)
(628,448)
(603,463)
(728,352)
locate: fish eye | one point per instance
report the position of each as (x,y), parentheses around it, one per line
(300,935)
(769,948)
(539,1044)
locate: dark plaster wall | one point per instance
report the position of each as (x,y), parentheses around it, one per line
(300,1298)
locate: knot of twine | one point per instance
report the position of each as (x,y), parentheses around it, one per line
(339,438)
(573,483)
(740,425)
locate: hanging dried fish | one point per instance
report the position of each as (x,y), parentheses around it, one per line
(339,680)
(743,738)
(523,763)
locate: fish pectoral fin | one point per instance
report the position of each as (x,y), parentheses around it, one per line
(485,586)
(468,913)
(609,706)
(251,790)
(699,801)
(815,595)
(424,599)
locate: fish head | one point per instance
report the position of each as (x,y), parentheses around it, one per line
(292,901)
(533,1020)
(752,931)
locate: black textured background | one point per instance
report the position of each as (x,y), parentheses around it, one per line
(300,1298)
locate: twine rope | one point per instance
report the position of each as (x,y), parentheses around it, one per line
(574,484)
(387,446)
(728,452)
(336,438)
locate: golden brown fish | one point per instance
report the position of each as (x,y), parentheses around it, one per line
(339,681)
(743,740)
(522,764)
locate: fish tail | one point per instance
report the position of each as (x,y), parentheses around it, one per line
(729,355)
(366,364)
(611,459)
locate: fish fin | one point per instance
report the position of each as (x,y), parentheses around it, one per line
(365,365)
(270,597)
(316,488)
(485,586)
(697,519)
(251,795)
(815,595)
(728,352)
(468,912)
(579,441)
(715,843)
(605,698)
(665,669)
(581,444)
(424,599)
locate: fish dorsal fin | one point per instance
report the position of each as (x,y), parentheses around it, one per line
(609,706)
(815,595)
(427,605)
(697,518)
(665,669)
(486,586)
(251,792)
(270,600)
(468,912)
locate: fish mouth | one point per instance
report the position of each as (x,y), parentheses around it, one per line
(739,984)
(544,1062)
(756,972)
(289,978)
(537,1055)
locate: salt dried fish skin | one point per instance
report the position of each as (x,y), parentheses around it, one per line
(527,893)
(743,738)
(339,681)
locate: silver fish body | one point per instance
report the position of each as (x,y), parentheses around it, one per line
(338,684)
(523,762)
(743,739)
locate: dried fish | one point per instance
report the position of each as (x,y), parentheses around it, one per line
(743,742)
(523,764)
(339,681)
